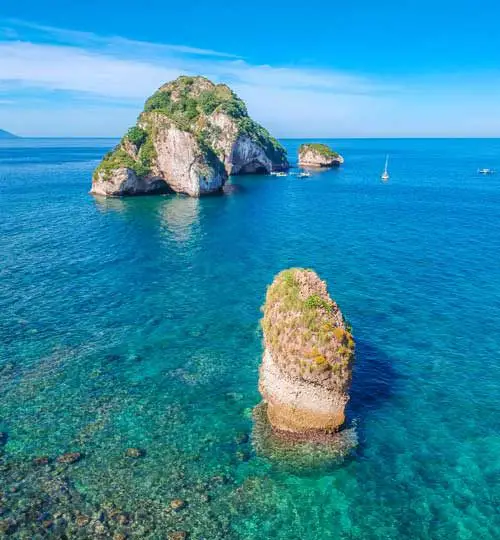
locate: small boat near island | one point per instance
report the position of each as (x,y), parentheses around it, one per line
(303,174)
(385,174)
(486,171)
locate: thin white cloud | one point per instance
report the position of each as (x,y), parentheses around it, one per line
(115,75)
(63,67)
(59,67)
(301,78)
(110,43)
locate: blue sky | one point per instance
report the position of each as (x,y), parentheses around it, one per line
(328,69)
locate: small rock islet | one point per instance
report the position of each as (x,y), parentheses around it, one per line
(317,155)
(307,363)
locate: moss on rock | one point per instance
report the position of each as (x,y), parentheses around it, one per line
(319,148)
(305,332)
(187,100)
(139,158)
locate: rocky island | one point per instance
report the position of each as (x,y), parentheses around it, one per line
(318,155)
(7,135)
(191,135)
(307,363)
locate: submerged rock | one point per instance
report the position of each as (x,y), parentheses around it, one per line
(306,367)
(301,455)
(122,518)
(41,460)
(70,457)
(7,526)
(242,455)
(134,453)
(177,504)
(177,535)
(241,438)
(191,135)
(82,520)
(318,155)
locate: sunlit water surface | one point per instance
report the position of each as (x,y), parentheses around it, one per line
(135,323)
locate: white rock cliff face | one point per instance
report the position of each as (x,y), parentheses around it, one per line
(191,136)
(124,181)
(240,154)
(308,157)
(187,168)
(248,158)
(298,406)
(180,166)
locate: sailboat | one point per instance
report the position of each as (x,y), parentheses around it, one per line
(385,174)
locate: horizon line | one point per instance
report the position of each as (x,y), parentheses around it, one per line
(108,137)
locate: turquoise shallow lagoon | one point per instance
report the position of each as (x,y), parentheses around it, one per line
(135,323)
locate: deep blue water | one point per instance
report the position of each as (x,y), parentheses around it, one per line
(135,322)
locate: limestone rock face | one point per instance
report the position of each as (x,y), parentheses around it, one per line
(180,158)
(191,135)
(318,155)
(307,363)
(124,181)
(242,151)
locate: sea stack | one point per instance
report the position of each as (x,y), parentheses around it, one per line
(307,363)
(318,155)
(191,135)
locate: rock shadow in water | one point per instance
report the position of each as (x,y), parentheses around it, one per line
(373,379)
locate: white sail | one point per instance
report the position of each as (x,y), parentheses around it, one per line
(385,174)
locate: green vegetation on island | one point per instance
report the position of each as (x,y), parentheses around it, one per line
(319,148)
(187,106)
(119,157)
(187,103)
(304,326)
(178,101)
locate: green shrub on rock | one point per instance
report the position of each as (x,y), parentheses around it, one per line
(319,148)
(137,136)
(218,122)
(304,329)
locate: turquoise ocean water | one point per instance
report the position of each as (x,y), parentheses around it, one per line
(135,323)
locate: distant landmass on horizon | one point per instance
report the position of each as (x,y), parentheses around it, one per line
(7,135)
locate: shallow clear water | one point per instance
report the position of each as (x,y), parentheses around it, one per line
(135,323)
